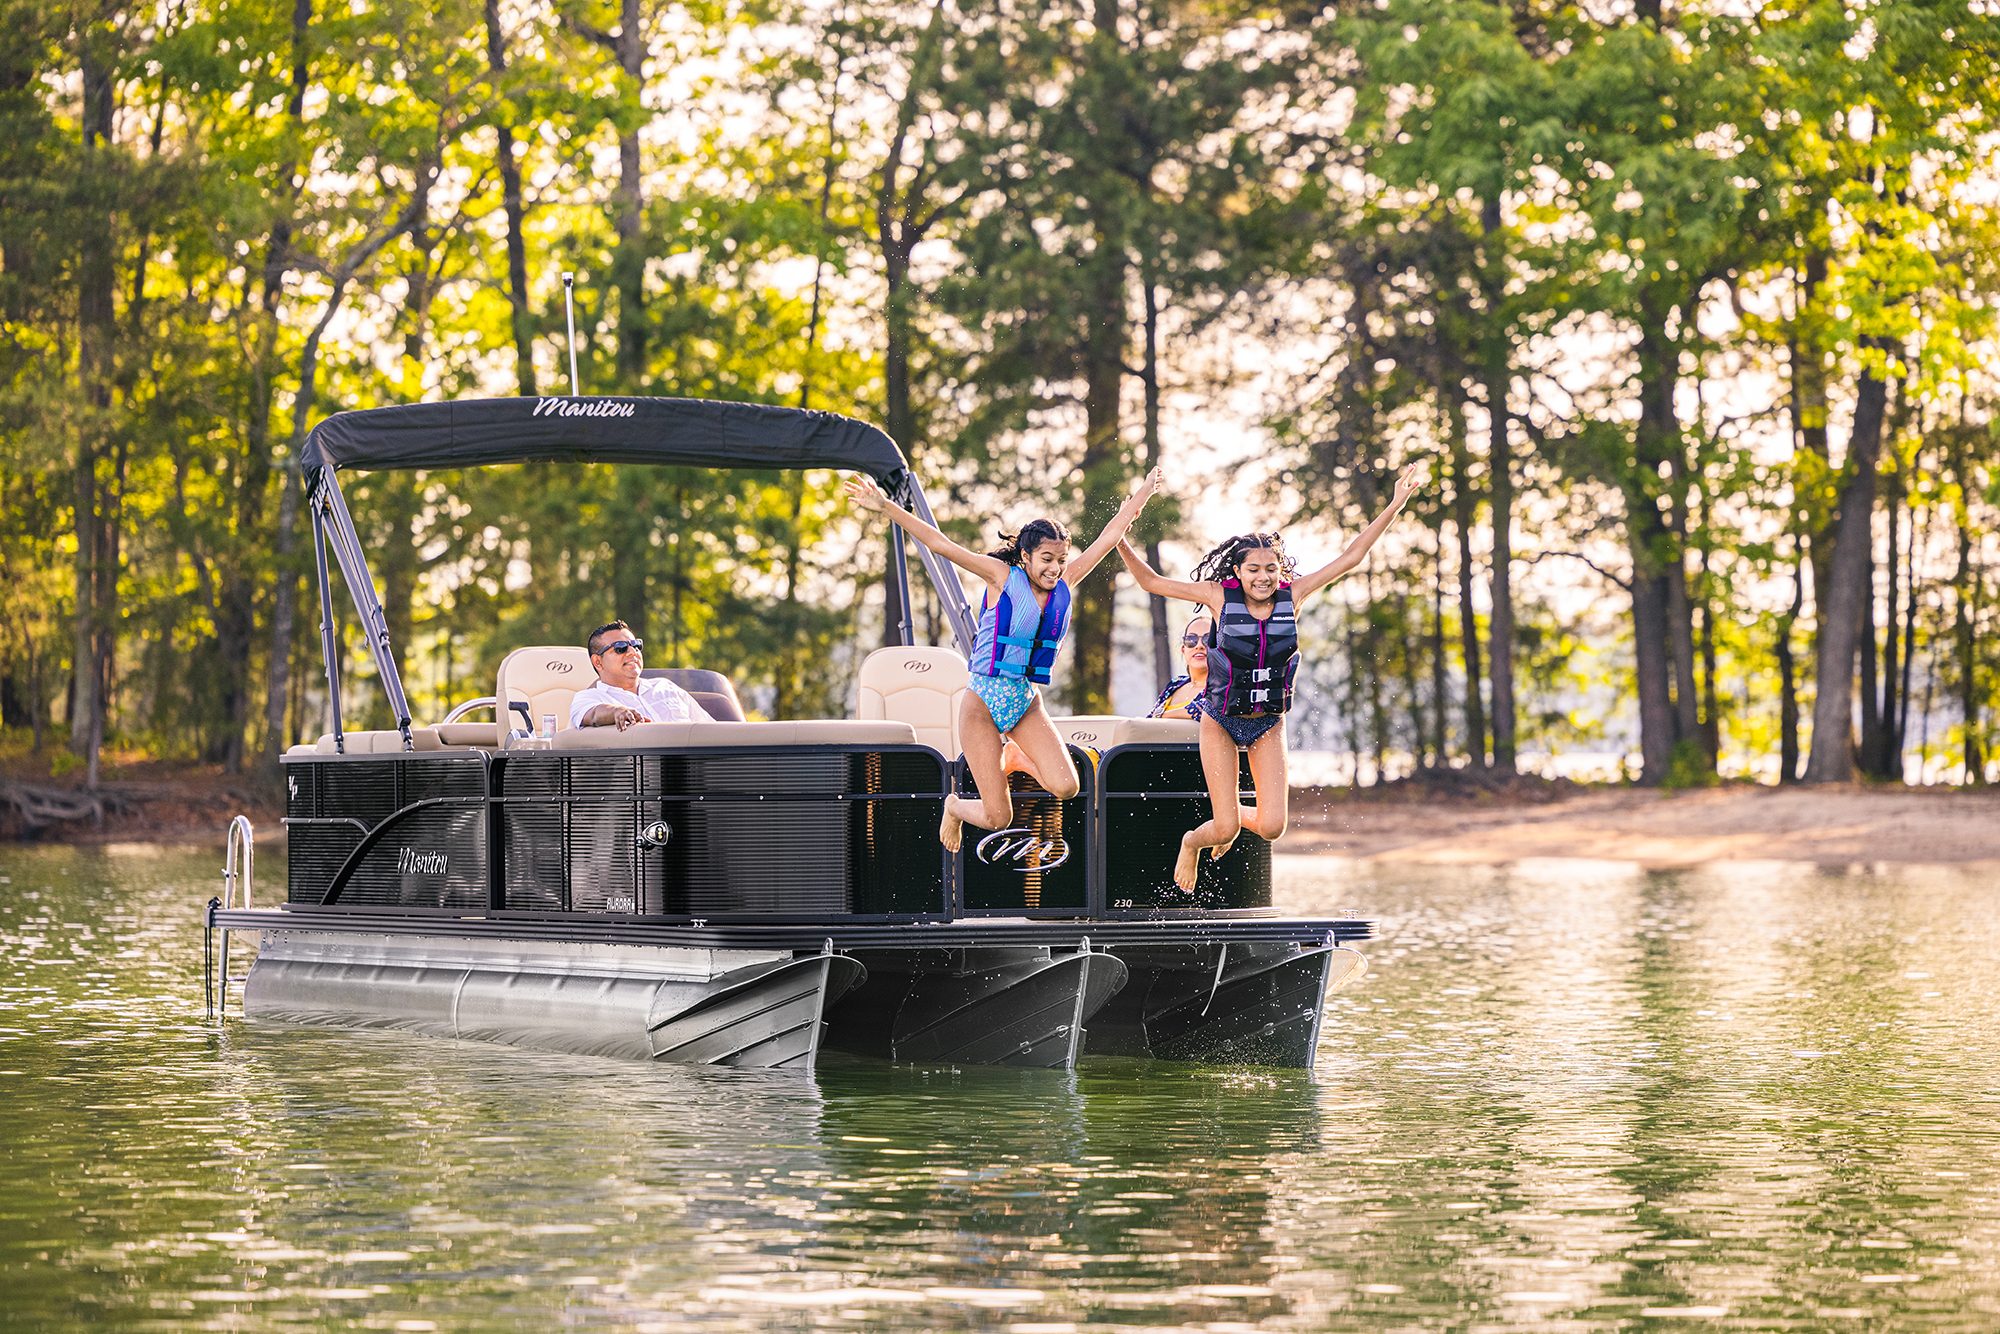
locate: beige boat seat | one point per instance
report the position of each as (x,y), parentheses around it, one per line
(1092,731)
(712,690)
(545,677)
(920,685)
(1155,732)
(646,736)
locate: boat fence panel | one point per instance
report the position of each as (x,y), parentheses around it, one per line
(1040,865)
(388,830)
(1151,794)
(818,830)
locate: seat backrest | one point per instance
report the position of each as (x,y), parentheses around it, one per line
(1091,730)
(921,686)
(712,690)
(545,678)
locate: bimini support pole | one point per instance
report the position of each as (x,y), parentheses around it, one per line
(899,574)
(361,587)
(569,308)
(944,576)
(327,641)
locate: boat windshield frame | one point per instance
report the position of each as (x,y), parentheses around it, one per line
(672,432)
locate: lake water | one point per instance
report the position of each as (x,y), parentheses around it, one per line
(1568,1096)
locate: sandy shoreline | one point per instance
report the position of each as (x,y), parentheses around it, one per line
(1831,826)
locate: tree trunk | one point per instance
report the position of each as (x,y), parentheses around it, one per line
(277,260)
(628,263)
(1440,669)
(1662,443)
(1965,589)
(1880,753)
(899,418)
(510,194)
(1104,278)
(1500,472)
(896,234)
(1845,597)
(1662,624)
(1163,651)
(1464,504)
(1788,686)
(96,334)
(1500,645)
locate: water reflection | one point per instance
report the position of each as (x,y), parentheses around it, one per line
(1568,1096)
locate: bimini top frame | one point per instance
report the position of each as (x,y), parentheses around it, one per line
(680,431)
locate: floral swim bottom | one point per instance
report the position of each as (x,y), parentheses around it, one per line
(1007,698)
(1242,731)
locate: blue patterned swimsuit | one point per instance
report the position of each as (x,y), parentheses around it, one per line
(1007,698)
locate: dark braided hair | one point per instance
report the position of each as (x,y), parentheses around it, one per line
(1222,562)
(1018,546)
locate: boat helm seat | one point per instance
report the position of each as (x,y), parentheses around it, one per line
(546,678)
(919,685)
(712,690)
(679,736)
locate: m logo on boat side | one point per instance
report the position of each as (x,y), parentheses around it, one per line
(411,862)
(1023,849)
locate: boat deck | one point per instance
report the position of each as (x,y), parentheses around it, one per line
(961,934)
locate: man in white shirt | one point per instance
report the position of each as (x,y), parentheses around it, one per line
(621,697)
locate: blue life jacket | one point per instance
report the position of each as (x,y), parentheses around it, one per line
(1017,637)
(1251,662)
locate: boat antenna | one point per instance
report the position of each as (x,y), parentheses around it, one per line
(569,306)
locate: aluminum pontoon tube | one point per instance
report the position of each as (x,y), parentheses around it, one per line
(711,1007)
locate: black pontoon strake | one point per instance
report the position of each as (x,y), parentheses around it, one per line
(737,892)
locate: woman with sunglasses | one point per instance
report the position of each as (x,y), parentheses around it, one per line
(1023,616)
(1180,698)
(1252,590)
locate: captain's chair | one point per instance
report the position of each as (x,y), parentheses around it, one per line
(921,686)
(712,690)
(544,678)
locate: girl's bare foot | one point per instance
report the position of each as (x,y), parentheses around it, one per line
(1216,850)
(1187,864)
(951,829)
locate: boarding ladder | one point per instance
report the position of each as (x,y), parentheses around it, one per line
(239,858)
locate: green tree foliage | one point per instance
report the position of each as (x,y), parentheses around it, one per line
(1689,305)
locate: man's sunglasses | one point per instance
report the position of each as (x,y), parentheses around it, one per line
(622,646)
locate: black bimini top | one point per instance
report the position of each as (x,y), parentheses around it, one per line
(687,431)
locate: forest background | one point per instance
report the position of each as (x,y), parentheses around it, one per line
(1690,307)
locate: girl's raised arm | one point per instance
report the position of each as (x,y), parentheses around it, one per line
(1207,592)
(1114,532)
(1357,550)
(867,496)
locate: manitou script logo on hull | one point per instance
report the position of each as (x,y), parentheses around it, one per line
(411,862)
(1022,849)
(569,407)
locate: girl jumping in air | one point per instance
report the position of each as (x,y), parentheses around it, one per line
(1253,591)
(1022,618)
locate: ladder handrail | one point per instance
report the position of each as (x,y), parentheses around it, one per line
(241,836)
